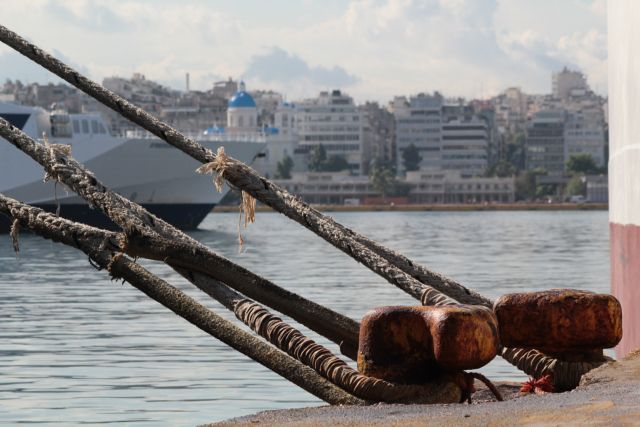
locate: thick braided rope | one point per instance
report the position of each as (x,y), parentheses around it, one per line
(566,375)
(294,343)
(432,297)
(243,177)
(53,227)
(137,222)
(93,242)
(260,188)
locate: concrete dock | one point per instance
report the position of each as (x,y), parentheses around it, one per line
(607,396)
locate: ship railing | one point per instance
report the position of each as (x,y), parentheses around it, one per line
(200,136)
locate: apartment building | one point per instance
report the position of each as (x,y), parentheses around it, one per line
(418,122)
(545,142)
(335,122)
(465,144)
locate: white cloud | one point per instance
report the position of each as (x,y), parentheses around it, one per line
(460,47)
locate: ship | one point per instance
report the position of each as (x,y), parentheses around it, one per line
(135,164)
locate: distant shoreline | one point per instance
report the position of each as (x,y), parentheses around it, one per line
(443,207)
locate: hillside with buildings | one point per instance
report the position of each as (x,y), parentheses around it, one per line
(421,148)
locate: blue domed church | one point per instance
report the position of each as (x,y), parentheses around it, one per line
(242,112)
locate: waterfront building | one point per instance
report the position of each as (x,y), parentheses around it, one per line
(454,187)
(336,188)
(545,142)
(333,121)
(428,187)
(597,188)
(449,135)
(465,144)
(585,133)
(418,122)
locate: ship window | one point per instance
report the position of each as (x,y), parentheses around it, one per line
(76,126)
(102,129)
(85,126)
(94,126)
(17,120)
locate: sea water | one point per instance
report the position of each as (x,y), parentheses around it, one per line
(77,348)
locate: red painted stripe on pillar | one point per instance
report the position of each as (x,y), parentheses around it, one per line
(625,282)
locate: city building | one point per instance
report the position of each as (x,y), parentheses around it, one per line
(449,135)
(545,142)
(566,83)
(378,136)
(337,188)
(225,88)
(418,122)
(597,188)
(242,112)
(465,144)
(282,140)
(146,94)
(333,121)
(584,133)
(454,187)
(427,187)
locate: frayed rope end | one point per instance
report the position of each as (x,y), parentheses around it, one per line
(15,229)
(218,166)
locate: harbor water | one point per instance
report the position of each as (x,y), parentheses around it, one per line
(77,348)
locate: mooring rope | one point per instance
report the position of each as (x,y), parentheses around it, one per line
(98,245)
(397,269)
(566,375)
(246,179)
(432,297)
(294,343)
(138,223)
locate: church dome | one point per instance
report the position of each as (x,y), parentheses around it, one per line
(242,99)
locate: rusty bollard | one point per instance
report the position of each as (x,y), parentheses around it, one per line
(412,345)
(571,327)
(566,324)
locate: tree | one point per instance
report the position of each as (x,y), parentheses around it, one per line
(526,188)
(335,163)
(317,158)
(501,169)
(284,168)
(319,162)
(411,158)
(581,163)
(383,180)
(515,150)
(576,187)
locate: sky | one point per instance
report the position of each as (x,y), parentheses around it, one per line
(371,49)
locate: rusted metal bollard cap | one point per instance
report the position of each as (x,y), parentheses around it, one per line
(414,344)
(559,321)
